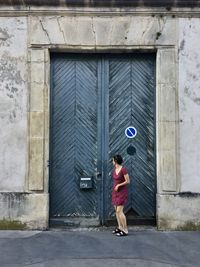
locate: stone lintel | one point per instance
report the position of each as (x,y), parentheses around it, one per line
(96,31)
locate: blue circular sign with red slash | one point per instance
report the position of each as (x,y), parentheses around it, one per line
(130,132)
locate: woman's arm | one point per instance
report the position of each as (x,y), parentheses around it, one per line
(127,181)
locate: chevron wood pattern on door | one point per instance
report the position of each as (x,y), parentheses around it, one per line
(73,135)
(131,103)
(94,98)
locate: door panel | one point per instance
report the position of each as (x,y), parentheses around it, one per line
(131,103)
(94,98)
(73,135)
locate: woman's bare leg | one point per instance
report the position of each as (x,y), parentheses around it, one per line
(118,219)
(122,218)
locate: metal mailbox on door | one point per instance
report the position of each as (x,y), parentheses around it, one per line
(85,182)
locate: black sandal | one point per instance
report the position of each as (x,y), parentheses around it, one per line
(116,231)
(121,233)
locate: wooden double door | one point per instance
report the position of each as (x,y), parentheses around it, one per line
(94,98)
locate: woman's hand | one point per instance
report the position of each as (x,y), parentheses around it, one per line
(127,181)
(116,187)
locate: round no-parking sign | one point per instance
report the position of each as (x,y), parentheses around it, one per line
(130,132)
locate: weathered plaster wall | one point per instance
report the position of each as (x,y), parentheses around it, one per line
(179,212)
(28,211)
(76,33)
(189,93)
(13,103)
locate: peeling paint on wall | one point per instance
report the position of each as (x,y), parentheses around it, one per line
(11,88)
(13,103)
(191,94)
(5,37)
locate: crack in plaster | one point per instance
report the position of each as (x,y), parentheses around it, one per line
(45,30)
(148,28)
(61,30)
(128,28)
(161,25)
(94,32)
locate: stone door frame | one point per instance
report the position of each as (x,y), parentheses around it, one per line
(167,158)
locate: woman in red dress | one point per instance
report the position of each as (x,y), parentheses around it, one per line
(120,194)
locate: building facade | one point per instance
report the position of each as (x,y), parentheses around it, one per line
(74,76)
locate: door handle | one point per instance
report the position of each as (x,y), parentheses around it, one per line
(98,176)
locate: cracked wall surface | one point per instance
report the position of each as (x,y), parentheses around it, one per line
(13,103)
(105,31)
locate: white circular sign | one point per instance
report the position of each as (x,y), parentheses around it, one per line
(130,132)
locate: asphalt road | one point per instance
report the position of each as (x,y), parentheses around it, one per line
(99,248)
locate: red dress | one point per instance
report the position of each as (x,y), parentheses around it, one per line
(120,197)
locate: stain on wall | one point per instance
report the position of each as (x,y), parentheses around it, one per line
(13,103)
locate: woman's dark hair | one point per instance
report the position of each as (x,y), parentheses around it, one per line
(118,159)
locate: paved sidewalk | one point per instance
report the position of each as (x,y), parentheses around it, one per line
(99,248)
